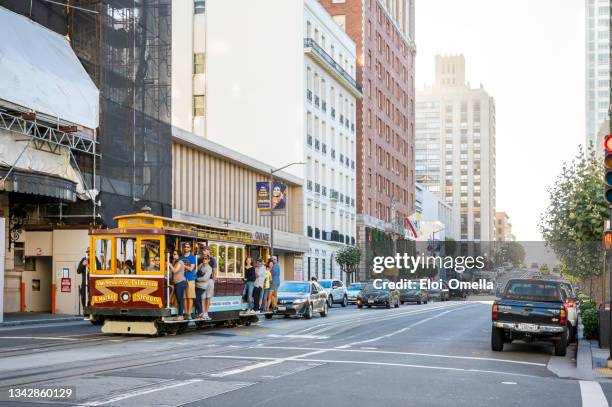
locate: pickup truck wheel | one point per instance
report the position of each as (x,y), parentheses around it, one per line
(330,301)
(497,339)
(360,306)
(344,302)
(561,345)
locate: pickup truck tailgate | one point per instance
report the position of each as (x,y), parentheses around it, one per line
(531,312)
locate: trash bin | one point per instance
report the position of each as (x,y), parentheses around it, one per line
(604,325)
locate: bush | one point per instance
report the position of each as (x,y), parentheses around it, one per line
(589,320)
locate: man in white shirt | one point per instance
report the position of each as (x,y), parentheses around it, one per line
(260,278)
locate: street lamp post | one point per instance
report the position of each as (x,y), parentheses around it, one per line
(270,180)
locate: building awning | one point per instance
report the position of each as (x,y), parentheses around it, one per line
(40,72)
(32,183)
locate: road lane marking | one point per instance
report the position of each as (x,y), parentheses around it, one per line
(592,394)
(301,358)
(51,338)
(385,352)
(298,336)
(319,328)
(399,331)
(268,362)
(141,392)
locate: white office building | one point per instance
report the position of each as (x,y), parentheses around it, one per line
(455,147)
(436,218)
(597,66)
(281,90)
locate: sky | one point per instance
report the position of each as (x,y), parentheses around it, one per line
(529,55)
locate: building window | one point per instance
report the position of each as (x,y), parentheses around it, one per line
(341,21)
(198,62)
(199,6)
(198,105)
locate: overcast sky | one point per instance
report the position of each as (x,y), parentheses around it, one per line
(529,55)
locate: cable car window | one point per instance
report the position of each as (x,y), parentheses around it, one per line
(104,255)
(239,260)
(231,265)
(150,259)
(221,260)
(126,255)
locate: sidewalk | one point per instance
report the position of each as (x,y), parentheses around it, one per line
(36,318)
(591,361)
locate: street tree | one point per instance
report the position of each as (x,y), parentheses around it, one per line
(348,258)
(573,223)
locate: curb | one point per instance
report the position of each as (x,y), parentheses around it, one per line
(40,321)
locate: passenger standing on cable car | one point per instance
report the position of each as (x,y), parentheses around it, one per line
(267,285)
(260,278)
(190,291)
(178,278)
(249,281)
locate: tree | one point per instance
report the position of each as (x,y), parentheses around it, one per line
(348,258)
(573,222)
(513,252)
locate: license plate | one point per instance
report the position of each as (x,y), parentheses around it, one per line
(370,301)
(528,327)
(282,308)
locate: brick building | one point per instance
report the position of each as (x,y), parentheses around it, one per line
(383,32)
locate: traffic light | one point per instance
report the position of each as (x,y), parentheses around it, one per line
(607,240)
(608,167)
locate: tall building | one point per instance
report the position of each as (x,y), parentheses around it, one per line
(597,66)
(503,228)
(455,147)
(281,90)
(383,32)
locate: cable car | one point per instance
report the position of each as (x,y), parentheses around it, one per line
(129,283)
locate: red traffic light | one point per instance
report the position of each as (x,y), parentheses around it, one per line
(608,143)
(607,240)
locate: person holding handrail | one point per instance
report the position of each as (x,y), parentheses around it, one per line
(180,283)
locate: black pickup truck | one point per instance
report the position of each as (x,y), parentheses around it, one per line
(530,310)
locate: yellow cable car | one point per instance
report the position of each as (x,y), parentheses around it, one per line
(129,284)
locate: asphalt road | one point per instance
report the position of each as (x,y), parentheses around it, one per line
(427,355)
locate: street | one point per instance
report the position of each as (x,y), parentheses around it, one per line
(433,354)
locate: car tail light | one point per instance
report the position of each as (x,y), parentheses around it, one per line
(494,311)
(569,304)
(562,317)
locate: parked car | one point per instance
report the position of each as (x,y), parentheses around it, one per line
(438,294)
(352,292)
(336,292)
(378,294)
(531,310)
(535,266)
(301,298)
(571,304)
(417,295)
(500,270)
(508,265)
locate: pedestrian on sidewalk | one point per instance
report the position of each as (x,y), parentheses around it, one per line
(83,270)
(249,282)
(177,268)
(260,278)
